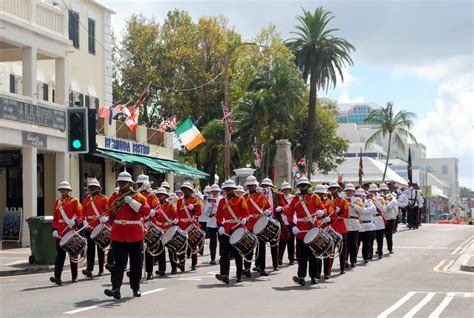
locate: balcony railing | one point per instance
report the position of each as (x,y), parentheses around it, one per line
(37,13)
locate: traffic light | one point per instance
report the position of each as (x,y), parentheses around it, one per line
(77,134)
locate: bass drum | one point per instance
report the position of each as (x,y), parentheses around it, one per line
(243,241)
(175,239)
(318,241)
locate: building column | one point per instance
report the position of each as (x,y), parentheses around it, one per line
(109,182)
(170,180)
(29,167)
(62,169)
(29,71)
(61,86)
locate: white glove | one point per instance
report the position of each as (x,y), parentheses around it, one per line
(267,212)
(279,209)
(71,223)
(327,219)
(128,199)
(295,230)
(221,230)
(191,207)
(103,219)
(338,209)
(243,221)
(284,218)
(85,223)
(320,213)
(134,204)
(55,234)
(174,222)
(152,212)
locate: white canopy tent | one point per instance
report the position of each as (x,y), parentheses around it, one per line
(349,169)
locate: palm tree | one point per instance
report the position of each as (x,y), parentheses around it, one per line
(320,56)
(395,125)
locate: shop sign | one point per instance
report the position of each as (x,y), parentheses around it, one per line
(34,139)
(126,146)
(10,158)
(16,110)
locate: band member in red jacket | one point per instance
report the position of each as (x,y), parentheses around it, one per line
(286,238)
(165,218)
(258,205)
(339,224)
(232,213)
(127,208)
(94,212)
(189,210)
(272,198)
(322,192)
(144,188)
(302,215)
(67,217)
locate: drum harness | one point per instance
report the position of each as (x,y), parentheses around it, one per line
(197,248)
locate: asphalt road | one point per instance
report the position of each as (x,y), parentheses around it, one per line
(421,279)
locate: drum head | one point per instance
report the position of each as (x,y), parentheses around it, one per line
(260,224)
(190,227)
(311,235)
(237,235)
(66,238)
(169,234)
(96,231)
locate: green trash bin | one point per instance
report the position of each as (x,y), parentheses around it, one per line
(42,243)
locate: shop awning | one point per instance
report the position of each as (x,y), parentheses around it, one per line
(158,165)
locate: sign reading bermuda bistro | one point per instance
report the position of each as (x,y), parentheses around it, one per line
(30,113)
(126,146)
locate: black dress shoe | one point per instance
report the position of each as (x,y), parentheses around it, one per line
(137,293)
(263,273)
(174,271)
(342,272)
(291,263)
(313,281)
(193,268)
(223,278)
(109,267)
(353,264)
(256,269)
(299,280)
(161,273)
(238,280)
(247,273)
(326,277)
(380,256)
(113,293)
(365,261)
(149,276)
(276,269)
(74,279)
(181,267)
(56,280)
(87,273)
(280,263)
(101,273)
(391,252)
(213,262)
(128,274)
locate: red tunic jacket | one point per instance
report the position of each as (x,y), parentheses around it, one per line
(72,210)
(100,201)
(225,218)
(313,203)
(168,210)
(254,213)
(153,203)
(184,221)
(339,225)
(126,223)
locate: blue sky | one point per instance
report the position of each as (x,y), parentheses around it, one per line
(416,53)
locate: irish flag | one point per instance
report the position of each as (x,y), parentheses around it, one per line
(190,136)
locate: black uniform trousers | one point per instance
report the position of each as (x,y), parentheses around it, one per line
(291,248)
(366,238)
(412,217)
(123,251)
(91,247)
(162,261)
(191,252)
(149,262)
(305,256)
(378,236)
(389,233)
(260,262)
(227,251)
(327,266)
(59,263)
(343,252)
(352,246)
(212,242)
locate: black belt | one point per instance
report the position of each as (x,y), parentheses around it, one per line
(366,221)
(377,215)
(354,217)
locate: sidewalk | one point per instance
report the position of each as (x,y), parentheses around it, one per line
(14,261)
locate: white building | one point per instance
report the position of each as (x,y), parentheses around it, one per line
(445,169)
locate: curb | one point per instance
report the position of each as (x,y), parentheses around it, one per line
(467,268)
(31,270)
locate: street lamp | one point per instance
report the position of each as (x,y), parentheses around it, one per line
(227,55)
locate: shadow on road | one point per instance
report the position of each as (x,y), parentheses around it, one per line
(221,285)
(297,287)
(109,303)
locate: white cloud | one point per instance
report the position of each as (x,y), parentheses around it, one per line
(447,131)
(344,98)
(439,69)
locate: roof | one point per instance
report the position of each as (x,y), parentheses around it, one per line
(349,169)
(355,147)
(345,107)
(104,7)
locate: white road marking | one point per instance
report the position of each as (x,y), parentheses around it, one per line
(441,306)
(420,305)
(458,250)
(445,268)
(395,306)
(75,311)
(437,267)
(426,247)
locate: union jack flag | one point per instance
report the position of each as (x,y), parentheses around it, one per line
(168,123)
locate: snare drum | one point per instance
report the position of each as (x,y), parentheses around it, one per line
(267,229)
(318,241)
(336,237)
(175,239)
(101,236)
(195,235)
(73,243)
(243,241)
(152,235)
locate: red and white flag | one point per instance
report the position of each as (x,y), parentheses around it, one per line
(132,120)
(227,118)
(169,123)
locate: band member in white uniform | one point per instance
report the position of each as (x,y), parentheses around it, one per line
(379,222)
(366,211)
(352,224)
(210,209)
(391,215)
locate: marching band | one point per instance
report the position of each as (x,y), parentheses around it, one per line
(315,227)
